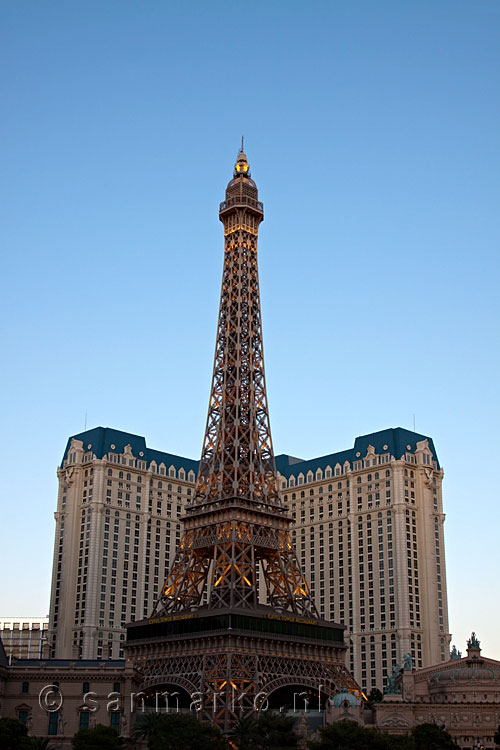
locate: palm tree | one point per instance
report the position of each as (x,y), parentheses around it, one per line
(269,731)
(179,732)
(41,743)
(150,728)
(246,733)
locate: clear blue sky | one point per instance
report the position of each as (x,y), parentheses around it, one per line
(372,130)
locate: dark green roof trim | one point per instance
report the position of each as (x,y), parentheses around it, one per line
(73,663)
(102,438)
(397,439)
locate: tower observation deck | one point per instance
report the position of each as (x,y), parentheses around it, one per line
(209,633)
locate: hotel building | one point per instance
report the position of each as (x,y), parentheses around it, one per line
(23,637)
(368,532)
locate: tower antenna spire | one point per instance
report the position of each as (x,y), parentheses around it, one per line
(242,139)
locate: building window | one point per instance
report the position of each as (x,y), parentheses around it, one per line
(53,722)
(26,687)
(23,717)
(84,719)
(115,720)
(85,687)
(116,686)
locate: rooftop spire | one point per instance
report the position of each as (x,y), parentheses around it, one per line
(241,167)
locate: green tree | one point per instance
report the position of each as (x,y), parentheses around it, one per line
(245,733)
(400,742)
(179,732)
(41,743)
(276,731)
(13,735)
(269,731)
(99,738)
(375,696)
(348,735)
(431,737)
(149,727)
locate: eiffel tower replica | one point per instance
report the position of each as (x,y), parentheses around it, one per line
(209,633)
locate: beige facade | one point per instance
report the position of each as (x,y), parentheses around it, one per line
(23,637)
(117,528)
(461,696)
(57,698)
(368,532)
(370,539)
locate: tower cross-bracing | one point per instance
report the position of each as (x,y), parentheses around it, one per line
(209,633)
(237,523)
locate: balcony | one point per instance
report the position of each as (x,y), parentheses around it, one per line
(242,201)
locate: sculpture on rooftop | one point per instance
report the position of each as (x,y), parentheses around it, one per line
(408,661)
(391,688)
(473,641)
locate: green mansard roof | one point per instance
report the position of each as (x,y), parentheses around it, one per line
(396,439)
(102,438)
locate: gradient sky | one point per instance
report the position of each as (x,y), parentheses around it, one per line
(372,131)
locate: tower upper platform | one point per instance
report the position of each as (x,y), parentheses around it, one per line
(241,192)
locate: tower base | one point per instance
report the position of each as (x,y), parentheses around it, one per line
(231,663)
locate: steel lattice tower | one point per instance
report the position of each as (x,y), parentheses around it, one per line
(237,520)
(237,527)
